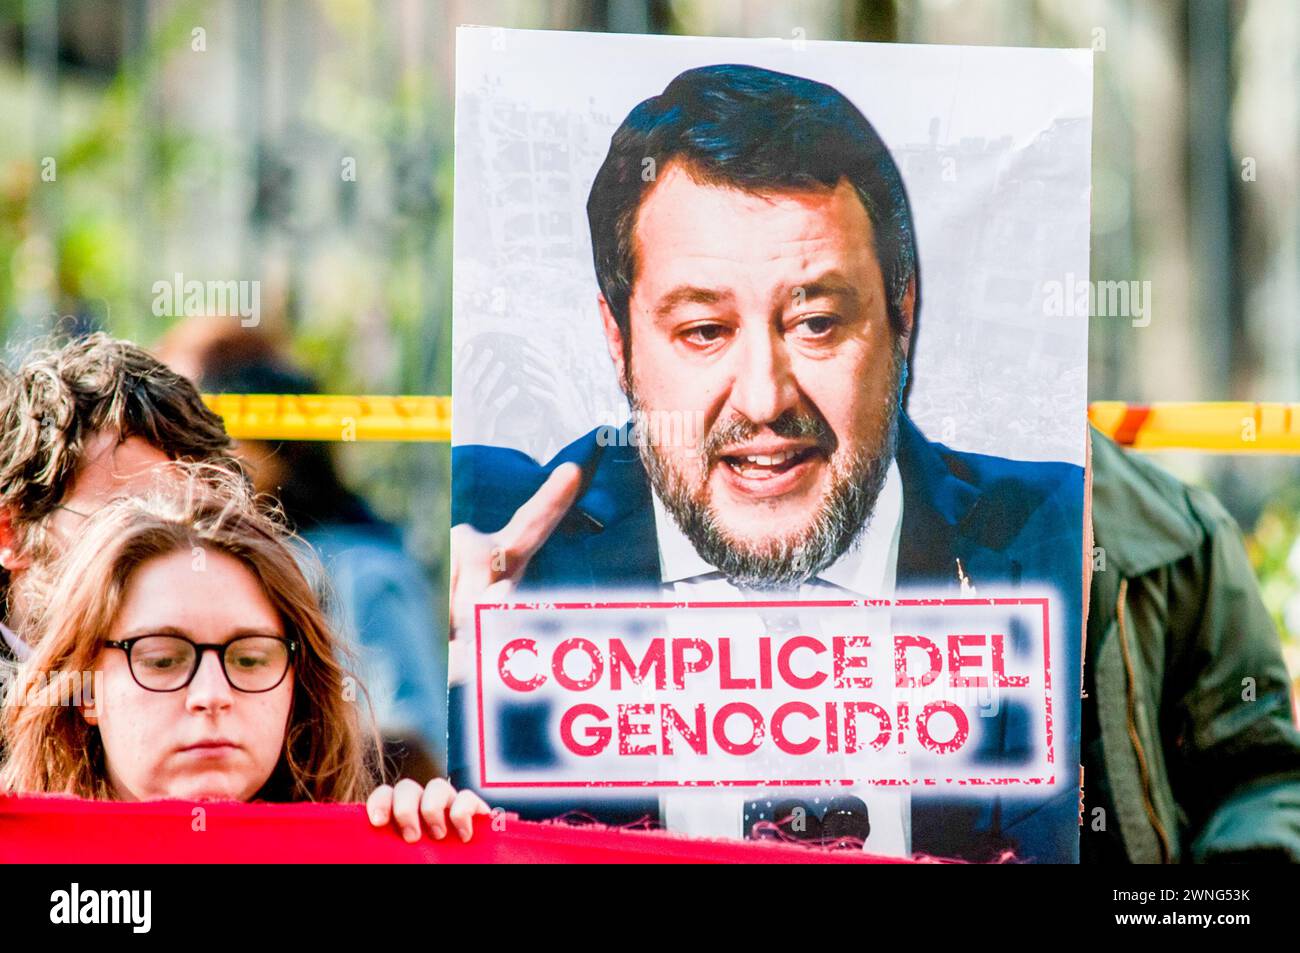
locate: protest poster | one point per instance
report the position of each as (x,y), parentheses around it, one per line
(768,437)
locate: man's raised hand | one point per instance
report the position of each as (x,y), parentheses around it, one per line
(486,567)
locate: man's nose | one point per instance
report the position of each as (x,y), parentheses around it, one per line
(209,691)
(764,387)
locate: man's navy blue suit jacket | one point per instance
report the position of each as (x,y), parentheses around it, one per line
(1009,522)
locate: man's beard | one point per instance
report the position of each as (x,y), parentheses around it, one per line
(789,561)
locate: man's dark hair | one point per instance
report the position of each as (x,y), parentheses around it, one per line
(752,129)
(58,398)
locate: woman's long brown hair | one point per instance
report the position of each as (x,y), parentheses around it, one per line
(195,508)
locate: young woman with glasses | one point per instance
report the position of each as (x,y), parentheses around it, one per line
(180,653)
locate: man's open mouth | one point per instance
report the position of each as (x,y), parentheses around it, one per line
(761,466)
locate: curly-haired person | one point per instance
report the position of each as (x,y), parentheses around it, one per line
(81,425)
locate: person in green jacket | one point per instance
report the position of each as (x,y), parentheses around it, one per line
(1190,749)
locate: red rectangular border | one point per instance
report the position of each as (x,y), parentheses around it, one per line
(1043,603)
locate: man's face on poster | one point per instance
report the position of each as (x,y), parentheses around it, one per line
(764,318)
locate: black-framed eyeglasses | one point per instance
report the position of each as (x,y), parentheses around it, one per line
(168,663)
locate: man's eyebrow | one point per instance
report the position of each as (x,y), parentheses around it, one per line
(831,285)
(688,294)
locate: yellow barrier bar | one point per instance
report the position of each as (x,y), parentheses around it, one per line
(1224,427)
(1227,427)
(338,417)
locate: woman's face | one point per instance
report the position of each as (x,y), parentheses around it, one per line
(207,740)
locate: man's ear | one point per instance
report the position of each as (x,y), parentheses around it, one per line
(908,313)
(613,340)
(11,556)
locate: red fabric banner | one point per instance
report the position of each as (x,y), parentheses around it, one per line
(71,830)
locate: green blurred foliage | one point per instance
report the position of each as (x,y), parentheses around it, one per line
(1274,548)
(140,181)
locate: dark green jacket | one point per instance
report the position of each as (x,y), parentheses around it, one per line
(1189,744)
